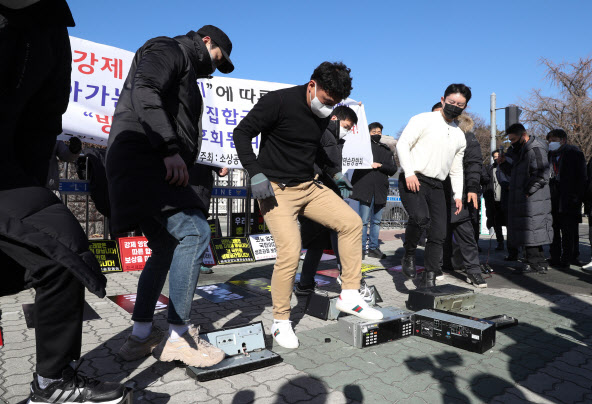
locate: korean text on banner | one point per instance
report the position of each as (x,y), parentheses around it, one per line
(99,72)
(134,253)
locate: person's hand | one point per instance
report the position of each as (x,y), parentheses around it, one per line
(345,187)
(223,172)
(471,196)
(458,203)
(176,170)
(412,183)
(261,187)
(376,165)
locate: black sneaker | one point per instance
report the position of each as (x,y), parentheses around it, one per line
(532,269)
(476,280)
(300,290)
(408,266)
(511,258)
(75,388)
(376,253)
(576,262)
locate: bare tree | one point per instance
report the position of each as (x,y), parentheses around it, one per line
(570,110)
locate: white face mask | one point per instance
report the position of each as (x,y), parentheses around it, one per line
(554,146)
(318,108)
(343,132)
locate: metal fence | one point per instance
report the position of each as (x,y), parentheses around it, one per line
(394,214)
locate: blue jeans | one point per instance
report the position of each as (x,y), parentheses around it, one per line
(178,243)
(370,214)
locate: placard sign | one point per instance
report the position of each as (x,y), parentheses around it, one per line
(127,302)
(107,254)
(258,285)
(215,227)
(263,246)
(208,259)
(228,250)
(222,292)
(134,253)
(238,225)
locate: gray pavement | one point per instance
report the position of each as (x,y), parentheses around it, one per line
(545,359)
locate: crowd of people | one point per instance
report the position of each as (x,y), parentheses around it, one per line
(534,189)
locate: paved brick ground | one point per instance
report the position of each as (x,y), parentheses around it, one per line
(546,359)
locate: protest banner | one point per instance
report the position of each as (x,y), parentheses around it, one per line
(99,72)
(228,250)
(263,246)
(106,252)
(134,253)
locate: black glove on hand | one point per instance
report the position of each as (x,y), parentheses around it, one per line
(75,145)
(345,187)
(261,187)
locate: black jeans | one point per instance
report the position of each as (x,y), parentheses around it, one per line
(498,222)
(313,258)
(59,304)
(535,256)
(461,248)
(565,229)
(427,211)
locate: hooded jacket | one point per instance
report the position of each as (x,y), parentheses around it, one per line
(158,115)
(373,183)
(529,198)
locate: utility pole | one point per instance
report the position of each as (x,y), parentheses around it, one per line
(493,125)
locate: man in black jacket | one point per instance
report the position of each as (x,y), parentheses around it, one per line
(153,143)
(42,245)
(291,122)
(461,225)
(529,199)
(371,189)
(568,185)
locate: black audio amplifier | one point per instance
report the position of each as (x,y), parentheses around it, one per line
(361,333)
(475,335)
(441,297)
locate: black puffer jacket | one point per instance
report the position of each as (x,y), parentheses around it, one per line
(529,198)
(568,191)
(157,115)
(35,217)
(371,182)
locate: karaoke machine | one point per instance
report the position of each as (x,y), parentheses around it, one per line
(397,323)
(442,297)
(475,335)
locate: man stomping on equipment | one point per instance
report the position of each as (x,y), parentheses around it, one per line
(291,122)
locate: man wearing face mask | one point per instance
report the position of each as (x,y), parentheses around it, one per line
(430,149)
(567,185)
(529,199)
(153,143)
(291,122)
(315,237)
(371,189)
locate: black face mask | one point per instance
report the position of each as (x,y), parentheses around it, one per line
(206,67)
(452,111)
(375,138)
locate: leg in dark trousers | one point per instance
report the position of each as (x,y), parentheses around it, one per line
(555,248)
(535,256)
(309,266)
(59,304)
(465,247)
(498,222)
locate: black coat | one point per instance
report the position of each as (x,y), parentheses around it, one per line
(529,197)
(35,217)
(315,235)
(372,182)
(568,191)
(472,166)
(157,115)
(588,193)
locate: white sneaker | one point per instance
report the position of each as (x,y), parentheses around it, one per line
(358,307)
(587,267)
(284,335)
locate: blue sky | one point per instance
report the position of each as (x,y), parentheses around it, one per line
(402,54)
